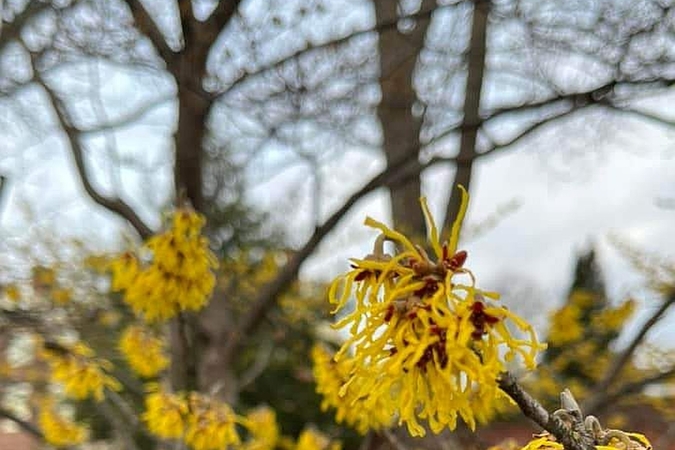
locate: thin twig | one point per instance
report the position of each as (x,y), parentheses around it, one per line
(601,389)
(531,408)
(25,425)
(394,440)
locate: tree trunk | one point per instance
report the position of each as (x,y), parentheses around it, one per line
(400,128)
(474,83)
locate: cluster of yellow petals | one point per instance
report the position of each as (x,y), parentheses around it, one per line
(79,371)
(176,276)
(312,439)
(201,422)
(211,425)
(330,376)
(424,341)
(263,429)
(165,413)
(58,430)
(144,352)
(566,325)
(627,441)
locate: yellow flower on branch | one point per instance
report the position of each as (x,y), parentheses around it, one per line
(263,429)
(82,374)
(176,277)
(311,439)
(165,413)
(211,425)
(58,430)
(423,338)
(353,404)
(609,440)
(144,352)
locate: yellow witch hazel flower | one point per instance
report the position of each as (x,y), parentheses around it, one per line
(330,377)
(263,429)
(604,439)
(211,425)
(82,374)
(144,352)
(177,277)
(58,430)
(201,422)
(164,412)
(425,341)
(312,439)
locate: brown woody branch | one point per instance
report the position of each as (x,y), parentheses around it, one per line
(533,410)
(10,31)
(25,425)
(269,293)
(379,27)
(630,388)
(115,205)
(148,27)
(614,370)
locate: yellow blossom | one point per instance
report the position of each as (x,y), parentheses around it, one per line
(263,429)
(603,439)
(565,325)
(165,413)
(311,439)
(81,373)
(211,425)
(177,277)
(359,412)
(613,319)
(423,338)
(61,296)
(13,293)
(144,352)
(57,429)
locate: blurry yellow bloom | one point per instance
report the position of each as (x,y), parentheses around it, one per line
(582,298)
(263,429)
(178,277)
(613,319)
(566,325)
(13,293)
(43,278)
(211,425)
(604,440)
(508,444)
(361,412)
(81,373)
(164,413)
(424,339)
(58,430)
(61,296)
(109,318)
(311,439)
(144,352)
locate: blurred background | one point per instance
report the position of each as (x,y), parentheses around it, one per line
(285,124)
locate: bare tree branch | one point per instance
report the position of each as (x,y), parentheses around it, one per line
(309,48)
(614,370)
(607,399)
(394,440)
(223,12)
(129,118)
(533,410)
(25,425)
(115,205)
(10,31)
(269,293)
(147,26)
